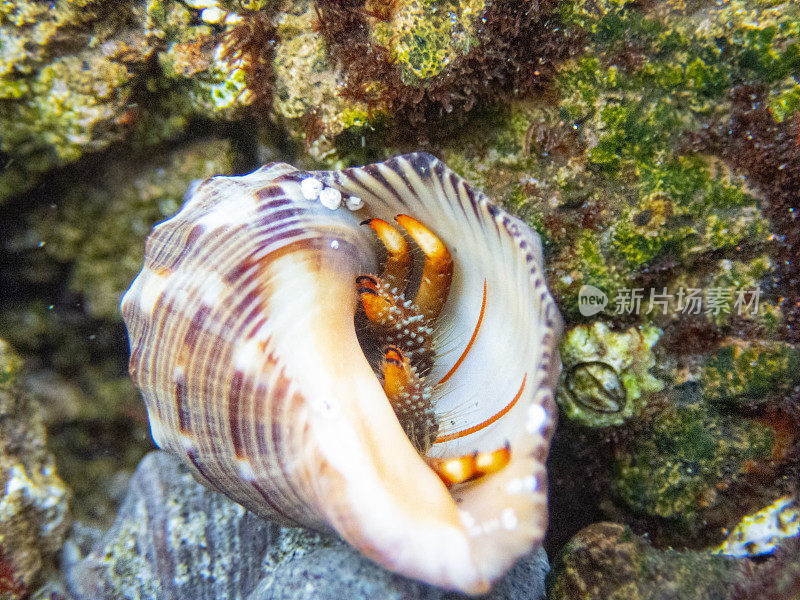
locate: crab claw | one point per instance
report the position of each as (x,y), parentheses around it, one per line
(437,271)
(398,262)
(470,466)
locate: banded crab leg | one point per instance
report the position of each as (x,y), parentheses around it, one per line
(410,398)
(407,394)
(407,329)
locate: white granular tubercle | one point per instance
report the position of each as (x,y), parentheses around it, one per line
(330,198)
(310,188)
(354,202)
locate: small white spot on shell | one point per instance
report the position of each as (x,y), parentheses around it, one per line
(537,417)
(354,202)
(212,288)
(310,188)
(335,244)
(509,519)
(178,373)
(179,297)
(151,291)
(330,198)
(327,405)
(245,469)
(226,214)
(246,357)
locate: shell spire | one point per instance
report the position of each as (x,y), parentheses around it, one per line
(244,346)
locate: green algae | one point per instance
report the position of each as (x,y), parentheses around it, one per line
(425,36)
(751,372)
(673,472)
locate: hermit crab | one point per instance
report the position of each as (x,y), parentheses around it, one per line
(369,351)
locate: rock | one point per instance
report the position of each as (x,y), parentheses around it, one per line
(606,560)
(33,500)
(122,203)
(65,81)
(173,538)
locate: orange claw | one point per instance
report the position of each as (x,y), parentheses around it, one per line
(454,470)
(437,272)
(470,466)
(376,307)
(398,262)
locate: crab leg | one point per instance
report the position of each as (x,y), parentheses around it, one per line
(410,398)
(378,308)
(437,271)
(398,262)
(399,321)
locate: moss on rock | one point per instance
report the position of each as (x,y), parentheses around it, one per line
(689,453)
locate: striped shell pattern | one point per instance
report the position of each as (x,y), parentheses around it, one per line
(243,344)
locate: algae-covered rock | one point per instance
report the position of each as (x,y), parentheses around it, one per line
(689,454)
(175,538)
(122,205)
(66,81)
(607,560)
(426,36)
(754,372)
(80,76)
(33,501)
(308,81)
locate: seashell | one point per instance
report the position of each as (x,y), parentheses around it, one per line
(244,345)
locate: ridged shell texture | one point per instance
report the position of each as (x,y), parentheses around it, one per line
(243,343)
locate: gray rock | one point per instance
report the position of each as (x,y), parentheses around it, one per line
(34,515)
(175,539)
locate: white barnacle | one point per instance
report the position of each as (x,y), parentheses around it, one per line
(354,203)
(212,14)
(310,187)
(330,198)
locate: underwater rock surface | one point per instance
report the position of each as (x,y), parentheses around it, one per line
(173,538)
(655,146)
(34,515)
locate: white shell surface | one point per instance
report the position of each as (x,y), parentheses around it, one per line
(243,344)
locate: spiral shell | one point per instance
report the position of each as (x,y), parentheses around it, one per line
(243,344)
